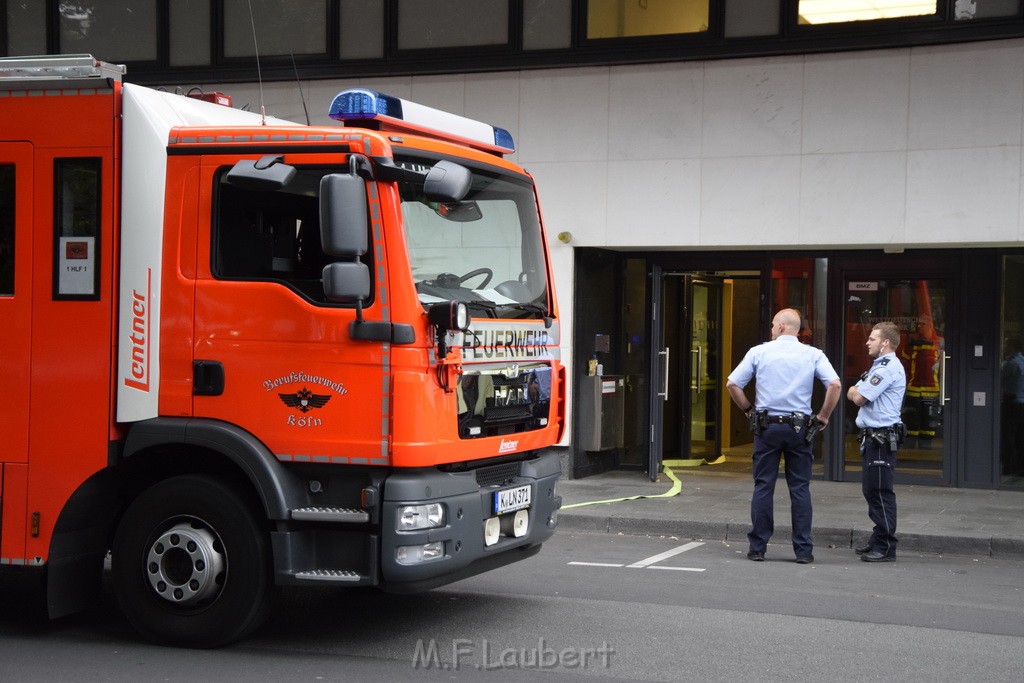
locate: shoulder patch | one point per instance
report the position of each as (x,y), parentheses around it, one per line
(875,380)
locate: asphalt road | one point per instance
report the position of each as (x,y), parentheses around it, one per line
(600,605)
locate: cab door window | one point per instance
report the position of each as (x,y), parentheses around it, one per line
(271,235)
(6,229)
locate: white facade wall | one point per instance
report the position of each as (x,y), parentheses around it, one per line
(888,148)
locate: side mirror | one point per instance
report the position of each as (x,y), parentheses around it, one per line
(347,282)
(343,215)
(269,174)
(447,181)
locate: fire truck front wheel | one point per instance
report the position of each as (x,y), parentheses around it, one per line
(191,564)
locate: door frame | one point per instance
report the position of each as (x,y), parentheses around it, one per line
(851,267)
(661,362)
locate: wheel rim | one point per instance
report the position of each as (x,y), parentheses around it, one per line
(185,565)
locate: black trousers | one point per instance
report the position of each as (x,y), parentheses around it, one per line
(877,476)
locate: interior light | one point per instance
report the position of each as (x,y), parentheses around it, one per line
(840,11)
(394,113)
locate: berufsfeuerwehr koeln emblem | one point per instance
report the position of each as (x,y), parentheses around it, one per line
(305,400)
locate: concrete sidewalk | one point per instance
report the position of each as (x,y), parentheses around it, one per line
(712,506)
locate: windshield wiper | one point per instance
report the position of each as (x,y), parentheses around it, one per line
(533,308)
(485,304)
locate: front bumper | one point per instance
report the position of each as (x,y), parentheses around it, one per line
(467,497)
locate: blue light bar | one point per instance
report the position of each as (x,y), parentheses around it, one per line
(394,113)
(361,105)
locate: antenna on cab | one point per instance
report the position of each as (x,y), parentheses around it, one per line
(259,73)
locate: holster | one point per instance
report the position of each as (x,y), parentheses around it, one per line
(813,427)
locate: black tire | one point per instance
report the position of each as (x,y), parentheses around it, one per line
(191,563)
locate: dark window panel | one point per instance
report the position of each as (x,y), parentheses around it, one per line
(547,24)
(115,32)
(189,25)
(361,29)
(283,28)
(452,23)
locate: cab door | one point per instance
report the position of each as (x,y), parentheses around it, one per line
(270,353)
(15,297)
(16,341)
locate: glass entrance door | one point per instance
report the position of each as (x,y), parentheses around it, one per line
(919,307)
(686,353)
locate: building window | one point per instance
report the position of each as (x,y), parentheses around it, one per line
(547,24)
(984,9)
(842,11)
(282,28)
(636,18)
(361,29)
(189,28)
(452,23)
(119,32)
(26,27)
(76,204)
(745,18)
(175,42)
(6,229)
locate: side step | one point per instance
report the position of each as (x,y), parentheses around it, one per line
(345,515)
(321,577)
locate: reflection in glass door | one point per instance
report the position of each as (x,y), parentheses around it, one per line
(919,307)
(705,315)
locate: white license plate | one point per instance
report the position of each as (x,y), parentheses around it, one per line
(508,500)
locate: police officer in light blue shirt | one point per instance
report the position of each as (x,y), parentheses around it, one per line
(785,370)
(879,394)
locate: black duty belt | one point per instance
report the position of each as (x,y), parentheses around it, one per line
(786,419)
(891,436)
(881,431)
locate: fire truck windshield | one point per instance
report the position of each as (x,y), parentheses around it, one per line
(485,250)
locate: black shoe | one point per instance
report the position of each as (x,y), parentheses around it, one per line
(805,559)
(875,556)
(863,549)
(755,556)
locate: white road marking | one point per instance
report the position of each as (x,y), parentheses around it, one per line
(649,563)
(665,555)
(678,569)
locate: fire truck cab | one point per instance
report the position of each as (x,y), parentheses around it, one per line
(243,353)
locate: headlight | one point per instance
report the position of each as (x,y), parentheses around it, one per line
(416,517)
(415,554)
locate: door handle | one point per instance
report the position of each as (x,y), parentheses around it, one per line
(698,381)
(664,377)
(943,399)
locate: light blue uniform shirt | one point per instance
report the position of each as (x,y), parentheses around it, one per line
(785,371)
(883,386)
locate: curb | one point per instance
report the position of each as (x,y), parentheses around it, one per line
(931,544)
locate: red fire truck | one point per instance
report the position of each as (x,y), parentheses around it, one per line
(242,353)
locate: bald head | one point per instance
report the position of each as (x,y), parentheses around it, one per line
(786,321)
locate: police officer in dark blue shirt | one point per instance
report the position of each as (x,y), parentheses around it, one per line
(785,370)
(879,394)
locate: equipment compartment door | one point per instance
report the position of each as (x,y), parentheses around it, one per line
(15,297)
